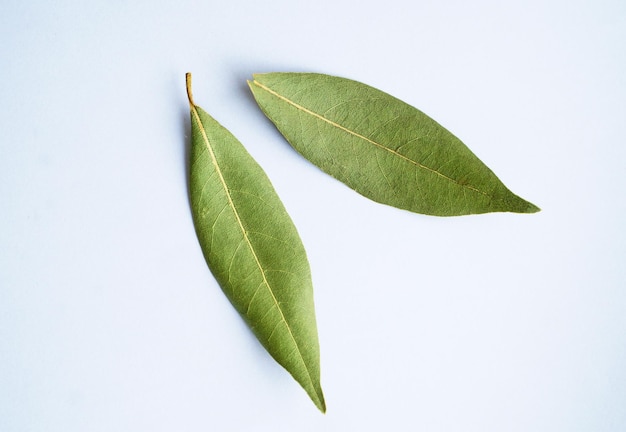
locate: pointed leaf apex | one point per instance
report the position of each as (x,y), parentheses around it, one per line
(532,208)
(322,406)
(516,204)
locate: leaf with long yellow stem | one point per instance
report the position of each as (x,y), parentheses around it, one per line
(253,249)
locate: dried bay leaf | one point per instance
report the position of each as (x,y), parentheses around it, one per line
(380,146)
(253,249)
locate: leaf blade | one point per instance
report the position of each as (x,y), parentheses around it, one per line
(380,146)
(253,249)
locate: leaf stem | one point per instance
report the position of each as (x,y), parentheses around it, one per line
(189,94)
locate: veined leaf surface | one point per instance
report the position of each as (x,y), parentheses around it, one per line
(380,146)
(253,249)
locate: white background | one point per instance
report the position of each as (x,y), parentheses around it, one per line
(110,319)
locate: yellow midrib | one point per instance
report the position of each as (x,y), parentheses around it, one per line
(356,134)
(248,242)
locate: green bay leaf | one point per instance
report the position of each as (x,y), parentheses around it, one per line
(253,249)
(380,146)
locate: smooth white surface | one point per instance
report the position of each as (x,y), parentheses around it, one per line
(110,319)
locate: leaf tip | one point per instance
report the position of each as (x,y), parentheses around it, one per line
(320,403)
(532,208)
(520,205)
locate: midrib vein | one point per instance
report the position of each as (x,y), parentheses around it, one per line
(353,133)
(247,239)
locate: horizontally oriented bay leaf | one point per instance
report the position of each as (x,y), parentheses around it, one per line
(253,249)
(380,146)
